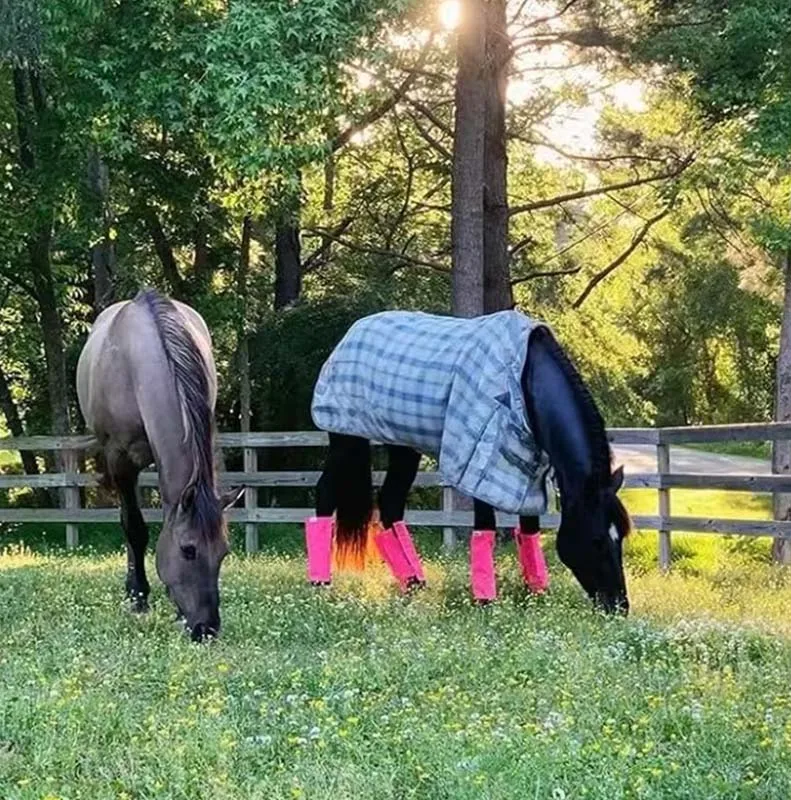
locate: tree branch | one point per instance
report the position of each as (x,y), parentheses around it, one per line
(430,115)
(545,274)
(430,140)
(376,251)
(537,205)
(637,240)
(164,251)
(318,258)
(385,106)
(541,142)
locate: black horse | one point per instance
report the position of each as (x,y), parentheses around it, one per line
(561,417)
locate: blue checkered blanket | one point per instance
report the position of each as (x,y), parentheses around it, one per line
(447,387)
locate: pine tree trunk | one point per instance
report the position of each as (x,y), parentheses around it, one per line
(781,451)
(497,294)
(468,172)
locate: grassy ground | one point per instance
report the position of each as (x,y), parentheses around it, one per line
(356,693)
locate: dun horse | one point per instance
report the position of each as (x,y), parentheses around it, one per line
(147,385)
(497,401)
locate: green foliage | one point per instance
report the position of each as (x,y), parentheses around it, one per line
(707,342)
(204,112)
(286,355)
(737,56)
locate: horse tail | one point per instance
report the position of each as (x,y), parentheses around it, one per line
(354,501)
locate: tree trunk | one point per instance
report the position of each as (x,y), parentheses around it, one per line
(51,328)
(468,173)
(242,339)
(497,294)
(288,251)
(32,113)
(202,260)
(165,253)
(14,423)
(781,451)
(328,201)
(103,252)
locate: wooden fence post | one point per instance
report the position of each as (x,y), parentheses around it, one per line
(663,467)
(448,533)
(251,501)
(71,497)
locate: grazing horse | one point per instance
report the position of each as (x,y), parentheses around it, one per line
(498,402)
(147,385)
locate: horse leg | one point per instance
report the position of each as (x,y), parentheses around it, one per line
(482,574)
(395,542)
(124,476)
(531,557)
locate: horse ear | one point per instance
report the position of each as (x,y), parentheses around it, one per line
(227,499)
(617,479)
(187,498)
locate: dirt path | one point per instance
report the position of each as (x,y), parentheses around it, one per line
(642,458)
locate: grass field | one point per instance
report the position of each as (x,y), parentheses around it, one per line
(356,693)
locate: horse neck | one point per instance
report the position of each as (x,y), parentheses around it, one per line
(174,444)
(560,421)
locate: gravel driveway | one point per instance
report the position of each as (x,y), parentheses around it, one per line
(642,458)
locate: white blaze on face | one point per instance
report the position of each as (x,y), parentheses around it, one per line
(614,533)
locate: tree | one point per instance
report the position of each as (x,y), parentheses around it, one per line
(740,66)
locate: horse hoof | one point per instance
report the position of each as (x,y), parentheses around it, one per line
(483,603)
(319,584)
(414,585)
(138,605)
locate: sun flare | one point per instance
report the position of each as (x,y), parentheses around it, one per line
(450,14)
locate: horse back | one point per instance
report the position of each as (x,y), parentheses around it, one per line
(124,357)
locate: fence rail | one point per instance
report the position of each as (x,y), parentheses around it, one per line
(70,481)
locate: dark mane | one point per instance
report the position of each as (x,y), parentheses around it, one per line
(192,384)
(602,454)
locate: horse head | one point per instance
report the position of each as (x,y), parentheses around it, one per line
(190,551)
(590,543)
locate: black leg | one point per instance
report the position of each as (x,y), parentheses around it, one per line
(402,466)
(529,524)
(483,513)
(124,475)
(326,502)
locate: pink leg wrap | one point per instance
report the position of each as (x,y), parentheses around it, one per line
(531,560)
(318,542)
(390,549)
(408,548)
(484,585)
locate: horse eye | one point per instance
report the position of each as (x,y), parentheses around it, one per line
(189,552)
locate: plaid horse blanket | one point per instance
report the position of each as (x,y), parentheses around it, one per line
(447,387)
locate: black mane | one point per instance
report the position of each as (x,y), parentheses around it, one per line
(192,383)
(601,451)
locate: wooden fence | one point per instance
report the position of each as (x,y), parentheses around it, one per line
(70,480)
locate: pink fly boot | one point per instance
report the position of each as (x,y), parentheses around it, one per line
(393,555)
(416,573)
(318,542)
(484,585)
(532,561)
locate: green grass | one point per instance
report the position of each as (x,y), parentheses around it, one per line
(356,693)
